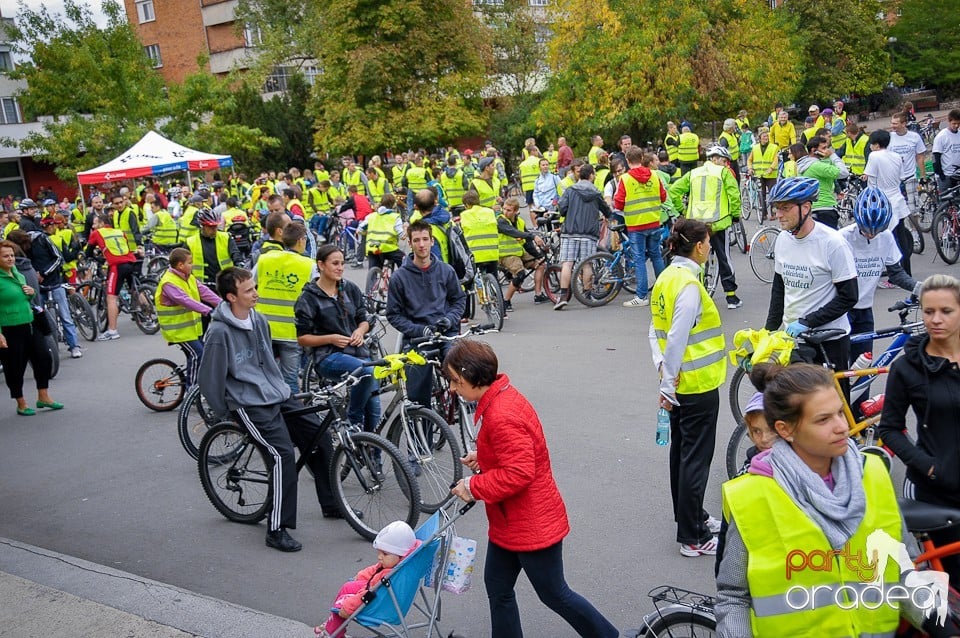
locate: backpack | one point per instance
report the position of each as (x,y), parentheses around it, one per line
(460,256)
(746,142)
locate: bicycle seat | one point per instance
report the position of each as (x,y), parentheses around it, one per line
(924,517)
(817,336)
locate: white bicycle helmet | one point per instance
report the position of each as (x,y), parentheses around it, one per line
(715,150)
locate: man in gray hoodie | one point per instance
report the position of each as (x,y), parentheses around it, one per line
(581,206)
(238,375)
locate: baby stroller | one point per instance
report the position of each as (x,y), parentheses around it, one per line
(405,592)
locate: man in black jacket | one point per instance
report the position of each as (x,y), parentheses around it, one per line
(48,262)
(29,219)
(581,206)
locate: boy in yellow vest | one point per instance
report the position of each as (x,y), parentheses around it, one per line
(383,229)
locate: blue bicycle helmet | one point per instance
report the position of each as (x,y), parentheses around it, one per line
(795,189)
(872,211)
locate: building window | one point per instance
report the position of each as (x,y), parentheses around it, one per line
(145,11)
(10,111)
(6,62)
(539,3)
(153,52)
(252,36)
(899,12)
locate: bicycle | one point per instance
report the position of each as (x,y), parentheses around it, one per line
(750,198)
(348,238)
(161,383)
(847,201)
(378,282)
(514,188)
(761,253)
(194,419)
(928,199)
(80,311)
(484,295)
(686,613)
(738,236)
(371,481)
(946,226)
(135,298)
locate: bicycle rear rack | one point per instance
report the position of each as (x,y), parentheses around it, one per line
(678,596)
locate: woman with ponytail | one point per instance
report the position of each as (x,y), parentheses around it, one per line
(331,317)
(688,347)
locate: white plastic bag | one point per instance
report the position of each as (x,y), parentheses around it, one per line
(461,558)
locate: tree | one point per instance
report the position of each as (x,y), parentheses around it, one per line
(926,52)
(843,45)
(97,81)
(701,61)
(519,65)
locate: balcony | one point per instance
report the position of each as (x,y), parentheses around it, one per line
(219,13)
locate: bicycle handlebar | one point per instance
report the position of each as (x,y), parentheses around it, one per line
(439,338)
(907,304)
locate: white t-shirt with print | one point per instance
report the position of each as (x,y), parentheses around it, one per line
(948,144)
(883,170)
(909,147)
(810,267)
(870,258)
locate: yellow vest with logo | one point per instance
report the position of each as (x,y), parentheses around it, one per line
(512,246)
(641,204)
(552,157)
(187,229)
(416,179)
(529,171)
(196,249)
(765,163)
(165,232)
(487,193)
(281,276)
(479,226)
(177,323)
(855,155)
(453,187)
(673,152)
(121,221)
(732,145)
(704,365)
(775,531)
(382,233)
(707,202)
(689,149)
(115,241)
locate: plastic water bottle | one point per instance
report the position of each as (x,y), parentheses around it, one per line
(865,360)
(663,427)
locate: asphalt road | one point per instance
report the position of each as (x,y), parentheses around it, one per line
(106,479)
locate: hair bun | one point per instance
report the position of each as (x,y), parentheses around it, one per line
(763,373)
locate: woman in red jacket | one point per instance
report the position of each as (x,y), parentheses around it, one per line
(512,477)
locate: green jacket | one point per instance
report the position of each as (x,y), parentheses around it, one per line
(825,172)
(15,307)
(681,187)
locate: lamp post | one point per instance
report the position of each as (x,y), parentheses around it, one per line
(890,42)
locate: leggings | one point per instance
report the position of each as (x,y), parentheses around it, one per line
(24,344)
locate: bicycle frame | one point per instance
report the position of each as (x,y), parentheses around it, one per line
(902,332)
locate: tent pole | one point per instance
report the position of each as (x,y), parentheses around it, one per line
(189,180)
(83,200)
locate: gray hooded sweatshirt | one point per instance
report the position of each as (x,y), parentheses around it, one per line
(238,369)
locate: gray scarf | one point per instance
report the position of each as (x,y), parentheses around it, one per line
(837,513)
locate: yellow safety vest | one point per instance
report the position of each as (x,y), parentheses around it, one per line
(529,170)
(378,188)
(790,168)
(9,228)
(165,232)
(777,533)
(689,149)
(707,201)
(764,163)
(318,201)
(552,157)
(838,141)
(673,152)
(235,216)
(512,246)
(600,179)
(453,187)
(382,233)
(732,145)
(416,179)
(62,239)
(566,183)
(397,172)
(281,276)
(704,365)
(487,193)
(187,229)
(196,249)
(855,154)
(439,235)
(337,191)
(742,124)
(479,226)
(115,241)
(177,323)
(641,205)
(121,220)
(77,217)
(353,179)
(592,155)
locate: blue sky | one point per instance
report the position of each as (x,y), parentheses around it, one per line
(9,7)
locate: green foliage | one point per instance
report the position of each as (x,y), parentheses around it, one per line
(518,59)
(927,51)
(843,45)
(700,61)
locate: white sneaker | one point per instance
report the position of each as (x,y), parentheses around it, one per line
(636,302)
(706,548)
(108,335)
(75,352)
(713,524)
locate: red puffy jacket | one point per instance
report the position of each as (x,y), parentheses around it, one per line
(524,506)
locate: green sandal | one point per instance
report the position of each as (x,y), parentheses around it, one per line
(26,411)
(53,405)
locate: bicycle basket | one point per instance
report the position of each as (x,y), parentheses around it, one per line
(751,347)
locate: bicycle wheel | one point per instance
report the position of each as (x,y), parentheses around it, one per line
(945,236)
(918,242)
(156,266)
(682,624)
(551,283)
(430,446)
(711,273)
(348,245)
(373,484)
(235,473)
(375,290)
(145,316)
(737,448)
(741,389)
(160,385)
(97,299)
(761,254)
(606,281)
(83,316)
(926,208)
(193,421)
(53,347)
(492,305)
(515,191)
(740,236)
(745,207)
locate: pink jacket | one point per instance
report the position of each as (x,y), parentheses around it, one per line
(372,575)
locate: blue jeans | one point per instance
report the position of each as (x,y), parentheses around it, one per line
(288,358)
(544,569)
(66,320)
(645,244)
(364,407)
